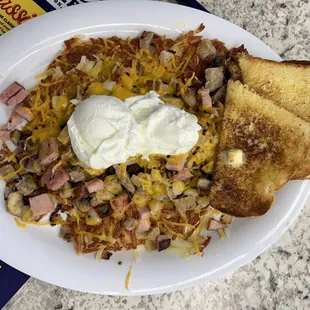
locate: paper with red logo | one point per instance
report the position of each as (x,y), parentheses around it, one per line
(16,12)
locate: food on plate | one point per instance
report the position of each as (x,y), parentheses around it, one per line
(286,83)
(257,152)
(116,143)
(152,141)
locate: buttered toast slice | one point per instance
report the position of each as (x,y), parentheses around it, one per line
(261,146)
(285,83)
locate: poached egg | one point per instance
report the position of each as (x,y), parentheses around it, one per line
(105,130)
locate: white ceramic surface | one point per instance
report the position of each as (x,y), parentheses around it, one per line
(38,251)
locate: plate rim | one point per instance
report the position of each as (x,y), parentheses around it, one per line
(16,34)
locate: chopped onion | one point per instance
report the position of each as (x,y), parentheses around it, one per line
(58,73)
(96,69)
(191,192)
(130,224)
(216,215)
(165,57)
(63,215)
(227,232)
(27,214)
(109,85)
(92,218)
(203,201)
(75,101)
(188,256)
(87,240)
(203,183)
(137,253)
(178,251)
(204,233)
(153,234)
(55,100)
(180,243)
(150,245)
(155,206)
(98,254)
(178,188)
(85,64)
(45,218)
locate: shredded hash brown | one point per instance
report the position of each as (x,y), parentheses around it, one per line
(160,203)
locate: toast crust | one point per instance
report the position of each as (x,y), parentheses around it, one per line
(285,83)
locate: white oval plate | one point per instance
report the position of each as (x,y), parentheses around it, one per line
(38,251)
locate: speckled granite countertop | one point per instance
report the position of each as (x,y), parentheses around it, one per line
(278,279)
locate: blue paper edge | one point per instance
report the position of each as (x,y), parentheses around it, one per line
(11,280)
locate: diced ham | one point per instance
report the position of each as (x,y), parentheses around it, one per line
(15,136)
(10,91)
(66,233)
(205,244)
(18,98)
(183,175)
(146,39)
(83,205)
(94,185)
(206,49)
(48,151)
(54,180)
(176,163)
(42,204)
(214,78)
(123,176)
(185,203)
(7,191)
(219,95)
(144,225)
(121,203)
(14,121)
(32,164)
(25,113)
(159,85)
(76,176)
(67,155)
(215,225)
(27,185)
(80,192)
(5,135)
(165,57)
(206,101)
(144,213)
(190,97)
(6,169)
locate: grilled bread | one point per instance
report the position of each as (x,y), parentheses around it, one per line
(261,145)
(286,83)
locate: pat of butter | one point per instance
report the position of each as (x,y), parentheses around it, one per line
(235,158)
